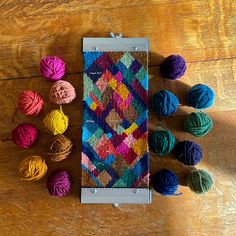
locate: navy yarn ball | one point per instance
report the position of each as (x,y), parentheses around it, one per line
(173,67)
(201,96)
(165,103)
(188,152)
(165,182)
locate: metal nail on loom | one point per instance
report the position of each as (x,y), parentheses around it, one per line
(116,43)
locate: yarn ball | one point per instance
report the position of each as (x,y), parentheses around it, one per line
(200,181)
(30,103)
(201,96)
(33,168)
(188,152)
(165,182)
(56,121)
(173,67)
(52,68)
(62,92)
(60,148)
(24,135)
(59,183)
(198,124)
(165,103)
(162,142)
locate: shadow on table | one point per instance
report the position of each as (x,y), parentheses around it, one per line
(213,148)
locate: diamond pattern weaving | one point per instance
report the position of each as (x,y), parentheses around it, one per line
(115,112)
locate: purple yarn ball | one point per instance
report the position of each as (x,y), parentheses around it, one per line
(173,67)
(188,152)
(59,183)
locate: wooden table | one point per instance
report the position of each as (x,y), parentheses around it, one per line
(203,32)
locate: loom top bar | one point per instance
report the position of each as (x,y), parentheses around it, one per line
(115,44)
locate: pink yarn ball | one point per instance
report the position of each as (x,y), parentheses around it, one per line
(59,183)
(52,68)
(30,103)
(62,92)
(25,135)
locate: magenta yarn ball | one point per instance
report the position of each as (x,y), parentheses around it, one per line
(24,135)
(52,68)
(59,183)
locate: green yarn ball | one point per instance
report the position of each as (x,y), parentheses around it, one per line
(162,142)
(198,124)
(200,181)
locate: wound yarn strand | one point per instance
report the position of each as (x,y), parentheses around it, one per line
(198,124)
(60,148)
(33,168)
(56,121)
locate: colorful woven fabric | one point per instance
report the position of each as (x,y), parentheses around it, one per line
(115,112)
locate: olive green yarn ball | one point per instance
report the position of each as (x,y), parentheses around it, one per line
(162,142)
(198,124)
(200,181)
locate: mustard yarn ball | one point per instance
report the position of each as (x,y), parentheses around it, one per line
(33,168)
(56,121)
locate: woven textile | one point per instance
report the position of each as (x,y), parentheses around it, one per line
(115,112)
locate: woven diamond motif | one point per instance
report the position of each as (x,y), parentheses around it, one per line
(127,59)
(114,139)
(113,119)
(102,83)
(104,178)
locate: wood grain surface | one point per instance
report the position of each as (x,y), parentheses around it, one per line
(204,32)
(199,30)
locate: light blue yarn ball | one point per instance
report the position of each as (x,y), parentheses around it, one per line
(165,103)
(201,96)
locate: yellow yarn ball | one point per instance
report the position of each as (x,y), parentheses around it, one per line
(33,168)
(56,121)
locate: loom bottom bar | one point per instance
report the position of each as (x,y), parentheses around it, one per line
(116,195)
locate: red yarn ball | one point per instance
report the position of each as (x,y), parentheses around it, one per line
(52,68)
(24,135)
(30,103)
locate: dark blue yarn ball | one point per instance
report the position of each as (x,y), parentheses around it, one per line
(165,182)
(173,67)
(201,96)
(188,152)
(165,103)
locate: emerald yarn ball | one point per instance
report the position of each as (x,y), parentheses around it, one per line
(200,181)
(198,124)
(162,142)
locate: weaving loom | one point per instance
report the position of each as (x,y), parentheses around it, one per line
(115,158)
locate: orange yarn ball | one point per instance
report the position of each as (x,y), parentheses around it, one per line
(62,92)
(30,103)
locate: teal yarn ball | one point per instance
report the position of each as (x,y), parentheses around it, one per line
(201,96)
(162,142)
(198,124)
(165,103)
(200,181)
